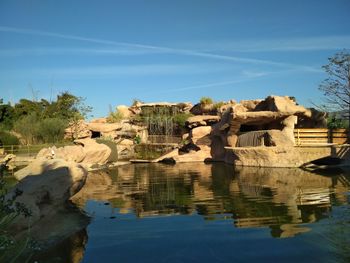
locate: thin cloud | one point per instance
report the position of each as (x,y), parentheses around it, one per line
(43,51)
(245,76)
(158,48)
(120,71)
(276,45)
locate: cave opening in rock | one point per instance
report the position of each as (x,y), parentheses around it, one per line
(95,134)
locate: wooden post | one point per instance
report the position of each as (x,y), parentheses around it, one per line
(298,138)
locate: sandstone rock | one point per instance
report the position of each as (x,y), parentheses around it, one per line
(77,130)
(104,127)
(200,109)
(201,120)
(288,129)
(278,138)
(201,155)
(284,105)
(315,119)
(124,111)
(126,142)
(280,156)
(46,187)
(99,120)
(249,104)
(86,151)
(74,153)
(185,107)
(200,135)
(257,117)
(95,153)
(185,136)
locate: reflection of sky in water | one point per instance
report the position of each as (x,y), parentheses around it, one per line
(211,213)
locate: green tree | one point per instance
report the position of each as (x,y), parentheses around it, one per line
(336,87)
(7,115)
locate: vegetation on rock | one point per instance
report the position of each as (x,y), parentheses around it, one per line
(206,101)
(40,121)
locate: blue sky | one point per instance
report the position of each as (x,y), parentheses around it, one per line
(114,51)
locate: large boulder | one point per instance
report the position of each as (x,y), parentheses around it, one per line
(95,153)
(124,111)
(278,156)
(250,104)
(201,135)
(86,151)
(285,105)
(47,185)
(74,153)
(318,119)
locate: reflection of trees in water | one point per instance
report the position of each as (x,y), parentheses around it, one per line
(280,199)
(70,250)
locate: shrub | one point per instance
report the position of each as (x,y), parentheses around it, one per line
(219,104)
(28,127)
(115,117)
(135,102)
(335,123)
(33,130)
(181,118)
(12,250)
(137,139)
(206,101)
(51,130)
(6,138)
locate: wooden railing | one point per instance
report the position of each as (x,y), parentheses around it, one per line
(321,136)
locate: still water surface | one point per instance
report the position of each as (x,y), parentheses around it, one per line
(210,213)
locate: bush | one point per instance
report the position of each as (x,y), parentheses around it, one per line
(51,130)
(33,130)
(336,123)
(219,104)
(115,117)
(12,250)
(28,127)
(206,101)
(6,138)
(181,118)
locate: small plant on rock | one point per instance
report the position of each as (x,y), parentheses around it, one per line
(206,101)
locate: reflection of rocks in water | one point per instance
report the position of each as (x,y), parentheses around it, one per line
(280,199)
(70,250)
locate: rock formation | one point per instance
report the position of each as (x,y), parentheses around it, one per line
(45,187)
(267,125)
(85,151)
(213,133)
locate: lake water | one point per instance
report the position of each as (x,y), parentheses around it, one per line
(210,213)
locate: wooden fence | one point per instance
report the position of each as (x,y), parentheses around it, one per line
(321,136)
(27,150)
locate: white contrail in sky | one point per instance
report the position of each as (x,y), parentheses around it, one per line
(158,48)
